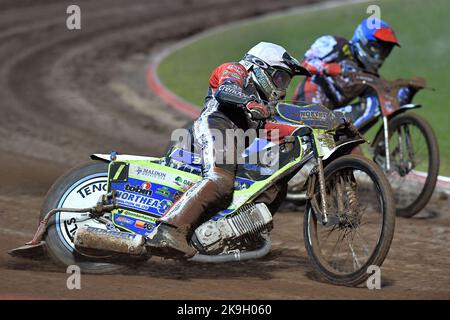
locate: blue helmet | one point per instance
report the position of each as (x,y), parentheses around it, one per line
(372,42)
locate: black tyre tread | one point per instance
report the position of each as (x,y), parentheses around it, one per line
(433,170)
(63,257)
(387,234)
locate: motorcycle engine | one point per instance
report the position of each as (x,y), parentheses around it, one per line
(244,225)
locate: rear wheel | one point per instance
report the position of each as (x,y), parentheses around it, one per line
(359,196)
(414,162)
(81,187)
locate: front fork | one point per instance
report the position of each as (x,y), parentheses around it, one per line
(323,201)
(319,172)
(343,188)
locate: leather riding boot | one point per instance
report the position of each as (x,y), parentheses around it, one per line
(204,195)
(171,241)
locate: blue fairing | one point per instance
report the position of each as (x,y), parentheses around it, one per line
(153,198)
(194,159)
(256,146)
(186,157)
(371,111)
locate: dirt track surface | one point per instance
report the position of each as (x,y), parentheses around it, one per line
(66,94)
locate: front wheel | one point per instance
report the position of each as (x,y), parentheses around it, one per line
(414,161)
(359,196)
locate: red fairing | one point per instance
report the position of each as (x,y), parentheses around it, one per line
(283,130)
(230,71)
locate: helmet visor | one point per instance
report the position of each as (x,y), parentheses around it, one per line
(379,50)
(281,78)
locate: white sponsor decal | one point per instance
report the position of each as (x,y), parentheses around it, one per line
(157,176)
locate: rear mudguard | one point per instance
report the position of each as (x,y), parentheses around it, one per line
(119,157)
(404,108)
(400,110)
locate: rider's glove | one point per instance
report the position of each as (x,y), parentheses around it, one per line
(332,69)
(272,105)
(347,68)
(258,110)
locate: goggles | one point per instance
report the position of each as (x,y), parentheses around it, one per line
(378,50)
(280,78)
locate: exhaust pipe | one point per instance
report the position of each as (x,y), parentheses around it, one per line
(88,237)
(91,238)
(235,256)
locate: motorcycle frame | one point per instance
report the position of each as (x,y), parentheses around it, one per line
(305,134)
(389,107)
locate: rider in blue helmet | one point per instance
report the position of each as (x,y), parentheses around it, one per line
(332,59)
(372,42)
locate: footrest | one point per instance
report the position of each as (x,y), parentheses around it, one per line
(30,251)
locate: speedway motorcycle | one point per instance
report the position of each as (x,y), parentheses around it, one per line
(100,214)
(405,146)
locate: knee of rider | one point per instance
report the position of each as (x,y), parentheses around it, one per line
(223,182)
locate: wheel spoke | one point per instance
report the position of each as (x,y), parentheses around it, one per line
(355,257)
(365,245)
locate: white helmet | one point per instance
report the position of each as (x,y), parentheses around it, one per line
(271,69)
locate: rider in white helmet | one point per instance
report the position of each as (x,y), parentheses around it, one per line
(236,89)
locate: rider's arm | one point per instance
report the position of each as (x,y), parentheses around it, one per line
(227,83)
(319,58)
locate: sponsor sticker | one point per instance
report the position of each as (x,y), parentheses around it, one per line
(136,215)
(91,189)
(147,173)
(179,181)
(144,189)
(163,191)
(123,220)
(157,176)
(315,115)
(144,225)
(177,195)
(142,202)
